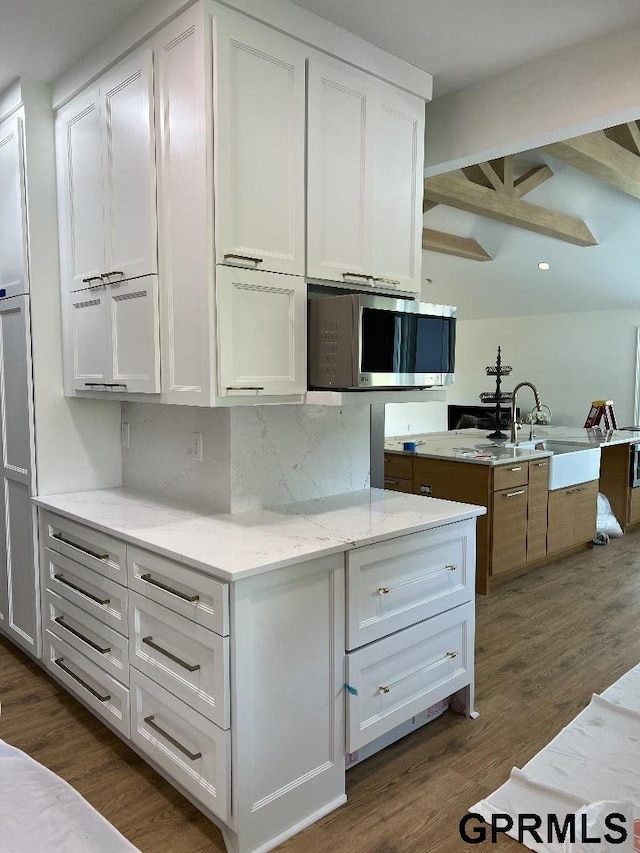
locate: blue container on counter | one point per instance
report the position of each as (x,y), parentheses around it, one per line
(409,446)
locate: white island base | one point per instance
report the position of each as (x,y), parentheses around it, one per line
(246,674)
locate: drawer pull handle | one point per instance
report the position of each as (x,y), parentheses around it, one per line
(191,667)
(384,590)
(245,388)
(391,482)
(519,468)
(107,275)
(192,756)
(160,585)
(540,464)
(393,281)
(79,589)
(573,491)
(81,681)
(101,649)
(249,258)
(388,687)
(71,544)
(359,275)
(91,278)
(513,494)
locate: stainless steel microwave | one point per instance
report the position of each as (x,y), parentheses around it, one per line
(358,341)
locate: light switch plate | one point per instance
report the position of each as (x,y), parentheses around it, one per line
(195,451)
(124,435)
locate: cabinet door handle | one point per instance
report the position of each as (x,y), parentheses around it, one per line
(358,275)
(513,494)
(249,258)
(191,667)
(519,468)
(71,544)
(395,282)
(81,681)
(192,756)
(392,482)
(63,624)
(183,595)
(92,278)
(63,580)
(108,275)
(245,388)
(573,491)
(540,464)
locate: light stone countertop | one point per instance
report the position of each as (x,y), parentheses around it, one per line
(233,547)
(472,445)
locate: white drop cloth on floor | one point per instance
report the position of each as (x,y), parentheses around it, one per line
(40,812)
(591,766)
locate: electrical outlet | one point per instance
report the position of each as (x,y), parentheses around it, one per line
(124,435)
(196,446)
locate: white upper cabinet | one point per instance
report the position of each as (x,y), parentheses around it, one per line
(261,331)
(114,337)
(14,275)
(259,81)
(365,172)
(340,173)
(106,169)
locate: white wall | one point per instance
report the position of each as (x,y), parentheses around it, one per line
(571,358)
(413,418)
(252,456)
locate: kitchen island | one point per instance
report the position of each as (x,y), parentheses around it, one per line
(251,658)
(528,522)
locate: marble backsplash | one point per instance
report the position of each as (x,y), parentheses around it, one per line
(253,456)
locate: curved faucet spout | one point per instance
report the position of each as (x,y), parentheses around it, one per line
(514,438)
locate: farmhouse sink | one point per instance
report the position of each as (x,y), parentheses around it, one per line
(570,464)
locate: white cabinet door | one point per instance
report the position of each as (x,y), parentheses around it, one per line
(14,275)
(340,173)
(261,332)
(397,222)
(90,338)
(260,139)
(129,169)
(20,598)
(134,346)
(79,152)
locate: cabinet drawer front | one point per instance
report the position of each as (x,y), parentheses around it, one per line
(506,476)
(183,590)
(395,485)
(408,672)
(93,549)
(190,661)
(97,595)
(102,693)
(194,751)
(394,584)
(102,645)
(397,466)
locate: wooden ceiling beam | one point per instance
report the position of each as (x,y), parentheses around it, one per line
(428,205)
(600,157)
(462,194)
(531,179)
(626,135)
(451,244)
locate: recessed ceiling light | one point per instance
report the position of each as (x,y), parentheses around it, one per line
(543,265)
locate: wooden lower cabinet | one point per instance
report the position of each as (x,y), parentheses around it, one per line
(572,516)
(509,529)
(537,510)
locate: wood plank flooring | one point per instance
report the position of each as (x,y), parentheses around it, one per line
(545,642)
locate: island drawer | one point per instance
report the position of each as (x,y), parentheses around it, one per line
(102,693)
(403,675)
(93,593)
(190,748)
(190,661)
(396,485)
(397,466)
(88,635)
(185,591)
(513,474)
(93,549)
(393,584)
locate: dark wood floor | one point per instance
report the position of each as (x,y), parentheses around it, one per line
(545,643)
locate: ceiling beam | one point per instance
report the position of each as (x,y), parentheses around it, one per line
(601,158)
(451,244)
(464,195)
(531,179)
(626,135)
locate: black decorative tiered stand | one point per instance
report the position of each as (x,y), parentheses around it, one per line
(498,370)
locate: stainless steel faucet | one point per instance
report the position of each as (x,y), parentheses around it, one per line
(514,438)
